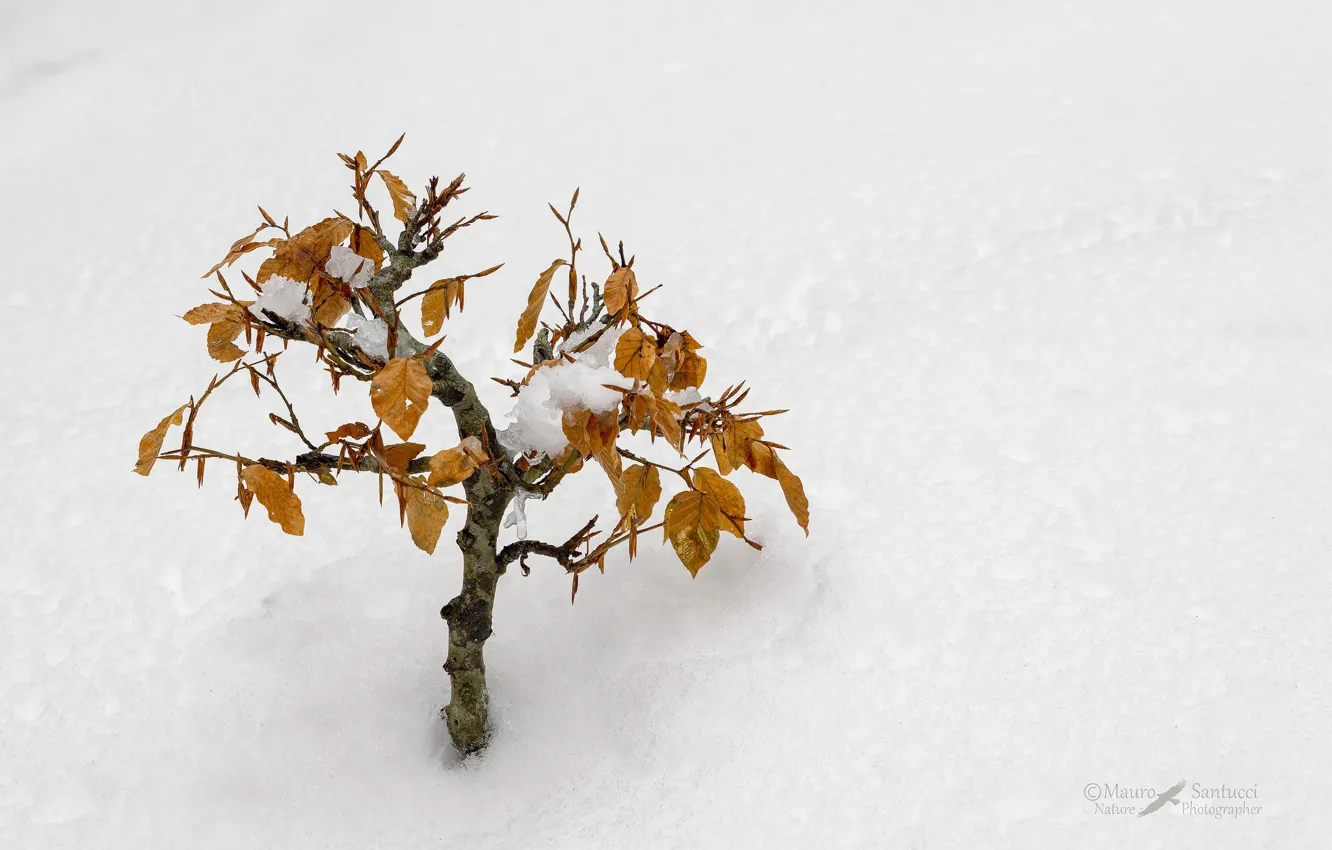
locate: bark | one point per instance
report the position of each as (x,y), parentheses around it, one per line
(470,614)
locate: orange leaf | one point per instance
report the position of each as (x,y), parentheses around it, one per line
(437,303)
(275,494)
(426,514)
(221,336)
(364,245)
(690,370)
(207,314)
(729,499)
(621,288)
(640,488)
(794,491)
(634,354)
(693,526)
(240,247)
(354,430)
(527,322)
(403,199)
(399,394)
(303,255)
(151,443)
(397,456)
(451,466)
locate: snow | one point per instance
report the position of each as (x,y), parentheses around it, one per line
(535,422)
(283,297)
(370,335)
(350,267)
(1045,285)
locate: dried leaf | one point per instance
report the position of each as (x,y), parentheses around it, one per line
(354,430)
(729,499)
(437,303)
(635,353)
(690,370)
(640,488)
(399,394)
(621,288)
(666,421)
(363,243)
(426,514)
(150,446)
(241,246)
(328,305)
(451,466)
(693,526)
(304,254)
(719,454)
(397,456)
(527,323)
(794,491)
(274,492)
(403,199)
(207,314)
(221,336)
(761,459)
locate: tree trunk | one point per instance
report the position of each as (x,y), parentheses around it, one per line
(469,614)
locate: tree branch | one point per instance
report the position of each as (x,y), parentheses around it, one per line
(564,553)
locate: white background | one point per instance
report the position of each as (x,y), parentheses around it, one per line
(1045,285)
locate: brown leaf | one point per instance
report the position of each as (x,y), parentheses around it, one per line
(364,245)
(794,491)
(328,305)
(527,322)
(151,443)
(403,199)
(354,430)
(426,515)
(304,254)
(399,394)
(656,379)
(207,314)
(634,354)
(729,499)
(275,494)
(590,432)
(666,421)
(437,303)
(719,454)
(737,439)
(640,488)
(241,246)
(690,370)
(609,460)
(621,288)
(397,456)
(451,466)
(761,459)
(221,336)
(693,525)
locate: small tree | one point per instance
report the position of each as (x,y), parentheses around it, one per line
(600,370)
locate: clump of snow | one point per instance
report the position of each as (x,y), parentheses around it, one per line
(283,297)
(536,417)
(349,266)
(370,335)
(685,397)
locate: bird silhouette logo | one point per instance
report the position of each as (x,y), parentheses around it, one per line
(1168,797)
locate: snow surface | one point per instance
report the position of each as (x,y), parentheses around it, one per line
(1046,286)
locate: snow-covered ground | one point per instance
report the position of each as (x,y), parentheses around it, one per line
(1047,286)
